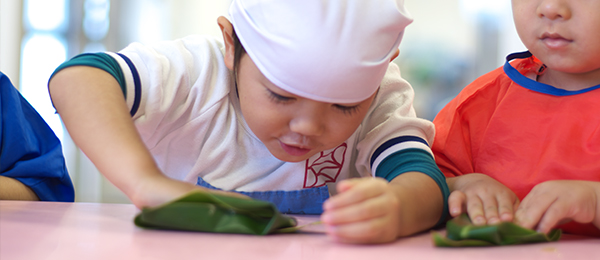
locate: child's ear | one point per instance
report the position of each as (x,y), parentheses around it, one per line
(227,31)
(396,53)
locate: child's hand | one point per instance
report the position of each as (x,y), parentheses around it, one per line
(366,210)
(486,200)
(555,202)
(158,189)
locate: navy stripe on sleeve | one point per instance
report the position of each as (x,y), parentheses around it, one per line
(394,141)
(137,85)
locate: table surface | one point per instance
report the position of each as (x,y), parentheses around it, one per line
(55,230)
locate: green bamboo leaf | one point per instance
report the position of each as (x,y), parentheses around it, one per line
(441,241)
(461,232)
(297,228)
(207,212)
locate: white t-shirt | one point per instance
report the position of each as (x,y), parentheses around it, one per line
(188,115)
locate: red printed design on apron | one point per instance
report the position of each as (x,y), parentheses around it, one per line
(325,168)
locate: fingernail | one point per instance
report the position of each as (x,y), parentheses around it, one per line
(492,221)
(455,211)
(541,229)
(479,221)
(506,217)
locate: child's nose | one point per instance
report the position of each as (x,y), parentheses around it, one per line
(308,122)
(554,9)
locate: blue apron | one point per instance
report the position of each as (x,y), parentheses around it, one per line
(305,201)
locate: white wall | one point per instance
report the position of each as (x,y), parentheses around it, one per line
(149,21)
(10,38)
(439,23)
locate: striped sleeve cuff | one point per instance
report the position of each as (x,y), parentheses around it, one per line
(395,145)
(112,64)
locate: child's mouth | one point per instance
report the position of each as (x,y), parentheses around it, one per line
(554,41)
(294,150)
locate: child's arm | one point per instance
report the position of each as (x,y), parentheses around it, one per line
(12,189)
(551,203)
(486,200)
(93,109)
(371,210)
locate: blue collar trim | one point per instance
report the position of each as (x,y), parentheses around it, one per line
(533,85)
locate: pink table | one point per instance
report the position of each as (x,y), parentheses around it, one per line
(52,230)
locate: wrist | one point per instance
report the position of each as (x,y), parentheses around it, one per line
(420,202)
(157,189)
(145,188)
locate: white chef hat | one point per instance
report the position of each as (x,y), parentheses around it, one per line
(333,51)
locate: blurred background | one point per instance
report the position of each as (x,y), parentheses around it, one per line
(449,44)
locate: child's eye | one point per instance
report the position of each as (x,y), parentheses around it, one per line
(348,110)
(278,98)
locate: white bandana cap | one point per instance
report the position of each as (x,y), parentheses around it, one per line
(333,51)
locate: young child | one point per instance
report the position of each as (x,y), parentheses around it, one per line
(300,96)
(32,166)
(529,132)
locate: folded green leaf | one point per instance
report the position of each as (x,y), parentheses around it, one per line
(460,232)
(208,212)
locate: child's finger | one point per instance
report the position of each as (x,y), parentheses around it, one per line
(369,209)
(372,231)
(361,190)
(563,210)
(475,210)
(506,208)
(347,184)
(550,218)
(456,203)
(532,209)
(490,208)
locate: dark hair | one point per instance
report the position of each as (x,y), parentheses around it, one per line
(238,52)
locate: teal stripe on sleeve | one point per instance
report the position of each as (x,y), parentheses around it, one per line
(417,160)
(98,60)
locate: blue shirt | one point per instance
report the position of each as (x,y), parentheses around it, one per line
(29,150)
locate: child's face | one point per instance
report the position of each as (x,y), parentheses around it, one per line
(563,34)
(291,127)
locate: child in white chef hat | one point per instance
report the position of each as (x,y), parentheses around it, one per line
(298,104)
